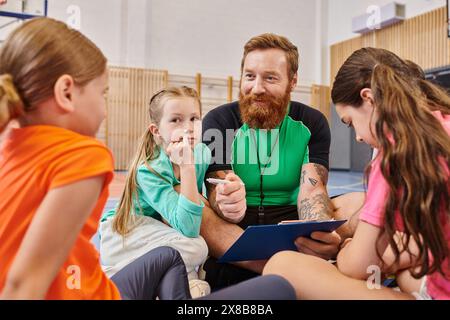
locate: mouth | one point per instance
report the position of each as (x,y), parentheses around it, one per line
(191,140)
(261,103)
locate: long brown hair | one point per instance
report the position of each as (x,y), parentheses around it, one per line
(412,165)
(32,59)
(148,150)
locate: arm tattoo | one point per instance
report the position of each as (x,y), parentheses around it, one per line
(303,177)
(313,181)
(317,208)
(322,172)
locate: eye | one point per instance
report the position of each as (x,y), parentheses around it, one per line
(271,78)
(175,120)
(249,76)
(195,118)
(350,125)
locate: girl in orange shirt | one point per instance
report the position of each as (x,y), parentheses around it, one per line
(54,175)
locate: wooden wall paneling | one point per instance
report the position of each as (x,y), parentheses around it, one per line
(127,119)
(422,39)
(320,100)
(230,89)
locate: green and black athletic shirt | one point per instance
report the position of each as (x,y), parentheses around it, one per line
(278,155)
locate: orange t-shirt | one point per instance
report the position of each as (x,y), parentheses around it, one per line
(34,160)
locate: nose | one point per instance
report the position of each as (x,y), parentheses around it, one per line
(359,139)
(188,128)
(258,87)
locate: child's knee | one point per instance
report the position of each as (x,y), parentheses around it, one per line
(165,251)
(201,248)
(280,262)
(193,250)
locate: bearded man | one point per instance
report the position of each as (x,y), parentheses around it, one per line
(276,159)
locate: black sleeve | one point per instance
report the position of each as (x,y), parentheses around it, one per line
(319,144)
(218,133)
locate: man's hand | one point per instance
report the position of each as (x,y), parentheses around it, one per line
(230,198)
(324,245)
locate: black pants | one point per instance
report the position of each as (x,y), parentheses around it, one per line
(221,275)
(268,287)
(161,273)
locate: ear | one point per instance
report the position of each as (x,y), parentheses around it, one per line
(294,81)
(154,130)
(367,96)
(64,93)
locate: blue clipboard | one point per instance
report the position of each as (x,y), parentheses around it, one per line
(263,241)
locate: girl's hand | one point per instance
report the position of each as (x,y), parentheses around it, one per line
(180,152)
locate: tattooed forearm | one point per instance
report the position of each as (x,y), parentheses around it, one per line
(316,208)
(322,172)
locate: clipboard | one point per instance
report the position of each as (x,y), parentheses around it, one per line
(263,241)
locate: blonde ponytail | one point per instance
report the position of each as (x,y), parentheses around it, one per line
(11,105)
(125,218)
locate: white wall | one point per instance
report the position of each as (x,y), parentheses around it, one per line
(207,36)
(100,20)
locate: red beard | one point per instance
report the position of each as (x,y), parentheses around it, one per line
(263,111)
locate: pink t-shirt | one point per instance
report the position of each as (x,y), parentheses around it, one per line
(373,213)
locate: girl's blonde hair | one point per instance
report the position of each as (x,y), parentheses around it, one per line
(412,166)
(32,59)
(147,150)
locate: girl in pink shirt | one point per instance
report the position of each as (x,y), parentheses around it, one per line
(404,226)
